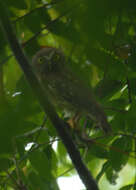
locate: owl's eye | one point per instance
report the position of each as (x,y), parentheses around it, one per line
(56,57)
(41,60)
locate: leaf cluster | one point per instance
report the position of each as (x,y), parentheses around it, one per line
(98,39)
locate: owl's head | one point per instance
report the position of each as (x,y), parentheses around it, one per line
(48,60)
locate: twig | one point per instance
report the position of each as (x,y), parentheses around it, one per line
(128,85)
(115,109)
(21,185)
(35,36)
(16,185)
(33,10)
(65,172)
(116,149)
(42,126)
(129,91)
(123,134)
(44,28)
(6,59)
(25,156)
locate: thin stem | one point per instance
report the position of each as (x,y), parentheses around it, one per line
(39,132)
(44,28)
(33,10)
(128,85)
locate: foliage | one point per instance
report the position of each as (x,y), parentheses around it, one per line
(99,41)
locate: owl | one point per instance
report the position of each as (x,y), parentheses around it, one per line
(65,89)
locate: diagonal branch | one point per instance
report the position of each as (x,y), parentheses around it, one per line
(128,86)
(59,124)
(33,10)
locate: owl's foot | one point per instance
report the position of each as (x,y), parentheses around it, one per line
(74,121)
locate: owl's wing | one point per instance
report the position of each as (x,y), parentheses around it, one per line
(77,93)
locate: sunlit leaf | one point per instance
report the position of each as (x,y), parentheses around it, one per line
(127,187)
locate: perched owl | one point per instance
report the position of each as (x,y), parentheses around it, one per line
(65,89)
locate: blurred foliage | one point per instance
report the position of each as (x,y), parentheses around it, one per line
(99,41)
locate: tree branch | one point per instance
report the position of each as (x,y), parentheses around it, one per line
(33,10)
(59,124)
(128,86)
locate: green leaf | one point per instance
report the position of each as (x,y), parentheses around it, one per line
(8,129)
(90,33)
(119,122)
(41,164)
(130,119)
(33,21)
(43,136)
(51,155)
(119,152)
(16,4)
(111,175)
(36,182)
(26,98)
(61,150)
(107,88)
(64,30)
(98,151)
(5,163)
(127,187)
(103,170)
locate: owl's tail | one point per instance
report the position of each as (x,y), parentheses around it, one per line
(98,114)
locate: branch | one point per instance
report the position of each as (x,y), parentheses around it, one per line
(59,124)
(129,90)
(33,10)
(45,27)
(128,86)
(36,35)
